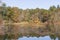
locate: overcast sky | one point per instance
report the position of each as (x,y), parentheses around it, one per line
(31,3)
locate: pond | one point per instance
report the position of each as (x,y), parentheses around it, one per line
(36,38)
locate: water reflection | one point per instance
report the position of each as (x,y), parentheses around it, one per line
(38,38)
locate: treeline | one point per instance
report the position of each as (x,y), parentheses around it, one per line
(15,14)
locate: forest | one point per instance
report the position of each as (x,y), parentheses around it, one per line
(16,22)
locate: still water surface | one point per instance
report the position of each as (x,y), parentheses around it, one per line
(35,38)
